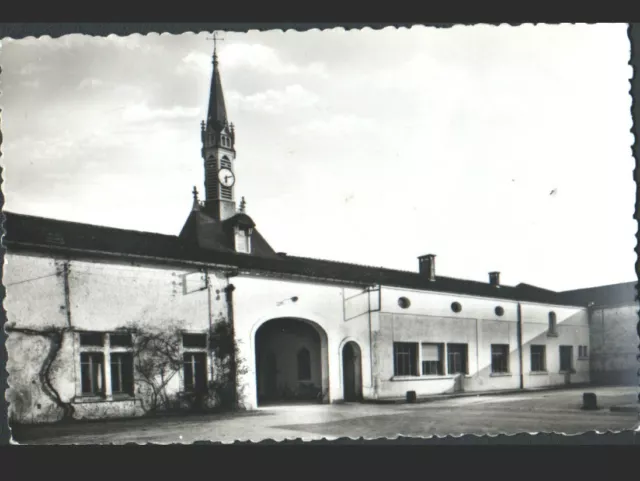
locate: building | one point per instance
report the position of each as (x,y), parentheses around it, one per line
(82,299)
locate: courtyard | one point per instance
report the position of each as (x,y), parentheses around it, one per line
(533,412)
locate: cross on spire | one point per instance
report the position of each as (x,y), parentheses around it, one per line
(215,39)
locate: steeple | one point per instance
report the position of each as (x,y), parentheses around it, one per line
(217,113)
(218,151)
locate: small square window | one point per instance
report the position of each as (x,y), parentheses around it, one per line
(197,341)
(121,340)
(91,339)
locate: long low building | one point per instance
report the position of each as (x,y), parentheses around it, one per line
(109,322)
(305,328)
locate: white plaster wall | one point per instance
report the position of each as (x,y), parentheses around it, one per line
(103,296)
(430,318)
(256,301)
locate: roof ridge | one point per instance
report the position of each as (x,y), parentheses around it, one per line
(86,224)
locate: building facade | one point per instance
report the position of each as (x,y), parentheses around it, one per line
(109,322)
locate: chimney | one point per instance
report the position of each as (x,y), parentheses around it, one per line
(428,266)
(494,279)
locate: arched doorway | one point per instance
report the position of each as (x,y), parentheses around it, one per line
(352,372)
(291,362)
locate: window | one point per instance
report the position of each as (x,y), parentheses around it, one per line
(106,364)
(499,358)
(195,371)
(122,373)
(456,306)
(405,357)
(583,353)
(91,339)
(538,358)
(243,242)
(304,364)
(432,359)
(499,310)
(566,358)
(404,302)
(194,341)
(457,358)
(552,324)
(92,373)
(194,362)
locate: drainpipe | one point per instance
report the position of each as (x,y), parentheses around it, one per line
(370,338)
(229,294)
(519,331)
(210,313)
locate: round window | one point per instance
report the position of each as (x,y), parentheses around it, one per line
(499,311)
(404,302)
(456,307)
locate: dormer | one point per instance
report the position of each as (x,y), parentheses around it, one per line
(241,227)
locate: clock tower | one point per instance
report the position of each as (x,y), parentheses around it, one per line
(218,153)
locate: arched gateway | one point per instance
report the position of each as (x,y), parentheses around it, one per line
(291,361)
(352,372)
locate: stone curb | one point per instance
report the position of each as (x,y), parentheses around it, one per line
(626,408)
(442,397)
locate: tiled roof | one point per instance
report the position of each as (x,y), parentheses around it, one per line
(25,231)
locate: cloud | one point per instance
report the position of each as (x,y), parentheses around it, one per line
(31,84)
(252,56)
(273,101)
(31,68)
(335,125)
(142,113)
(90,83)
(261,57)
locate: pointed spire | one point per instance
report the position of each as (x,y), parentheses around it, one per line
(217,114)
(196,202)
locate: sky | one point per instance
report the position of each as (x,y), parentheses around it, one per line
(496,148)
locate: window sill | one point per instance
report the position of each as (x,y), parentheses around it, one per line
(500,374)
(423,378)
(570,371)
(583,359)
(538,373)
(103,399)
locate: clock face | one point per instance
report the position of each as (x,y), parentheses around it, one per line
(226,177)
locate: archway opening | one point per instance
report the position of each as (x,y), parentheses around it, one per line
(291,364)
(352,372)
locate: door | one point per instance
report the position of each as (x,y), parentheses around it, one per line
(351,374)
(566,362)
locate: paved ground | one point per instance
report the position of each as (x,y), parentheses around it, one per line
(550,411)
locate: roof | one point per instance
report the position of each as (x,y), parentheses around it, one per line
(204,231)
(50,235)
(217,113)
(609,295)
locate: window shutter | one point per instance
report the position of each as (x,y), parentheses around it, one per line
(430,352)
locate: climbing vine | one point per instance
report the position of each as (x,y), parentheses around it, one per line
(157,359)
(55,336)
